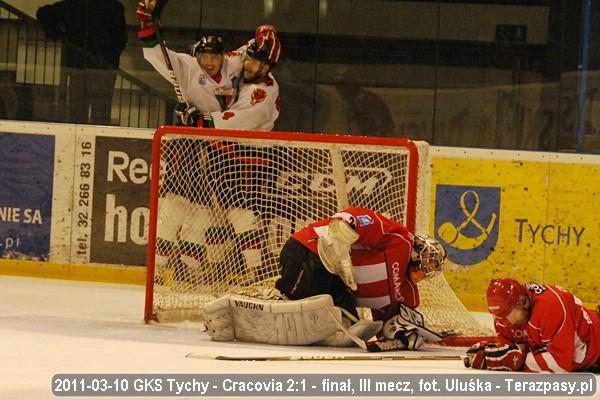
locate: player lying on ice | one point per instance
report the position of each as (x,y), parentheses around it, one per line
(357,258)
(540,328)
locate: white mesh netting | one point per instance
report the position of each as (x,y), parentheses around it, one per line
(227,205)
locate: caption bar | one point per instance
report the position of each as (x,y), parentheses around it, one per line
(261,385)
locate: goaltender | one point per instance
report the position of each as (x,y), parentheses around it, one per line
(357,258)
(540,328)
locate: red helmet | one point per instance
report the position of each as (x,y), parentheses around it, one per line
(265,46)
(503,295)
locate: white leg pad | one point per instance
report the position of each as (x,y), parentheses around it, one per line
(364,329)
(286,322)
(219,319)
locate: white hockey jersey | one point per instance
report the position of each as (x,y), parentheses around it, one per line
(197,87)
(257,107)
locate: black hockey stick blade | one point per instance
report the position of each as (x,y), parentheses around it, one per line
(365,357)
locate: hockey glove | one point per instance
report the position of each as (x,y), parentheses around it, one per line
(495,356)
(476,355)
(147,32)
(187,114)
(207,121)
(504,357)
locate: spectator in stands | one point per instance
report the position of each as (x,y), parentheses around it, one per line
(93,36)
(366,112)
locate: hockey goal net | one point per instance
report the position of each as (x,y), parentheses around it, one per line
(223,203)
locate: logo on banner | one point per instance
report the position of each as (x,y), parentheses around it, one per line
(467,221)
(364,220)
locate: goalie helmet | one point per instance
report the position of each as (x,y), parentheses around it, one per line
(429,256)
(208,44)
(503,295)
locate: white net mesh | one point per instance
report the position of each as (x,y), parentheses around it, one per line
(226,206)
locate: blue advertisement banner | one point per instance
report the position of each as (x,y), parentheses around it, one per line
(26,179)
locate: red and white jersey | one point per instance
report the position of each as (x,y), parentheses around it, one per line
(562,335)
(380,258)
(256,108)
(197,87)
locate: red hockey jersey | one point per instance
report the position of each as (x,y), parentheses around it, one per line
(380,258)
(561,335)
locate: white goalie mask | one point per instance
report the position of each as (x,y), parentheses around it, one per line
(429,255)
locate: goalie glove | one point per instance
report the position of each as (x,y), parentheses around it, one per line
(410,318)
(334,251)
(398,329)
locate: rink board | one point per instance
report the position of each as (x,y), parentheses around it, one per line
(536,209)
(545,228)
(98,194)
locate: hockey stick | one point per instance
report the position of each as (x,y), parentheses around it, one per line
(369,357)
(158,7)
(359,342)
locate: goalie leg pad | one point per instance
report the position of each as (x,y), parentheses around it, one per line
(286,322)
(219,320)
(363,329)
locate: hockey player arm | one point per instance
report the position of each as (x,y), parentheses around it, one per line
(558,353)
(153,53)
(334,250)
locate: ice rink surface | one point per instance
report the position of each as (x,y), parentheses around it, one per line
(55,326)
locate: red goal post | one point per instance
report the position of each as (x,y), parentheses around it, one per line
(222,203)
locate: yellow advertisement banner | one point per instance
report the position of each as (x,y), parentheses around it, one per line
(531,220)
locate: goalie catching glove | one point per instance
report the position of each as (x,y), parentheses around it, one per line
(334,251)
(495,356)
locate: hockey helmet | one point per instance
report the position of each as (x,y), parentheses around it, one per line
(429,256)
(268,52)
(503,295)
(208,44)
